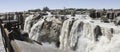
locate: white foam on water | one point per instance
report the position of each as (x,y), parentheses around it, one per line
(50,45)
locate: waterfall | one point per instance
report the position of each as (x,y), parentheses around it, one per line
(35,30)
(87,37)
(105,39)
(69,37)
(79,33)
(28,22)
(46,30)
(64,35)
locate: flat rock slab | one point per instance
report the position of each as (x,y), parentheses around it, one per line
(34,47)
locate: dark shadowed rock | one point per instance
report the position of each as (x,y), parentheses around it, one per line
(104,19)
(80,26)
(118,23)
(112,31)
(97,32)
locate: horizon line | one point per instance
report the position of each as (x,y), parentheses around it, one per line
(22,10)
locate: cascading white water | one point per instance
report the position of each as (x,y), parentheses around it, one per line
(108,42)
(64,35)
(86,41)
(87,37)
(69,37)
(46,30)
(35,30)
(28,23)
(77,34)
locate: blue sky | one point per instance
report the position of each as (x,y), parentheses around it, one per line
(21,5)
